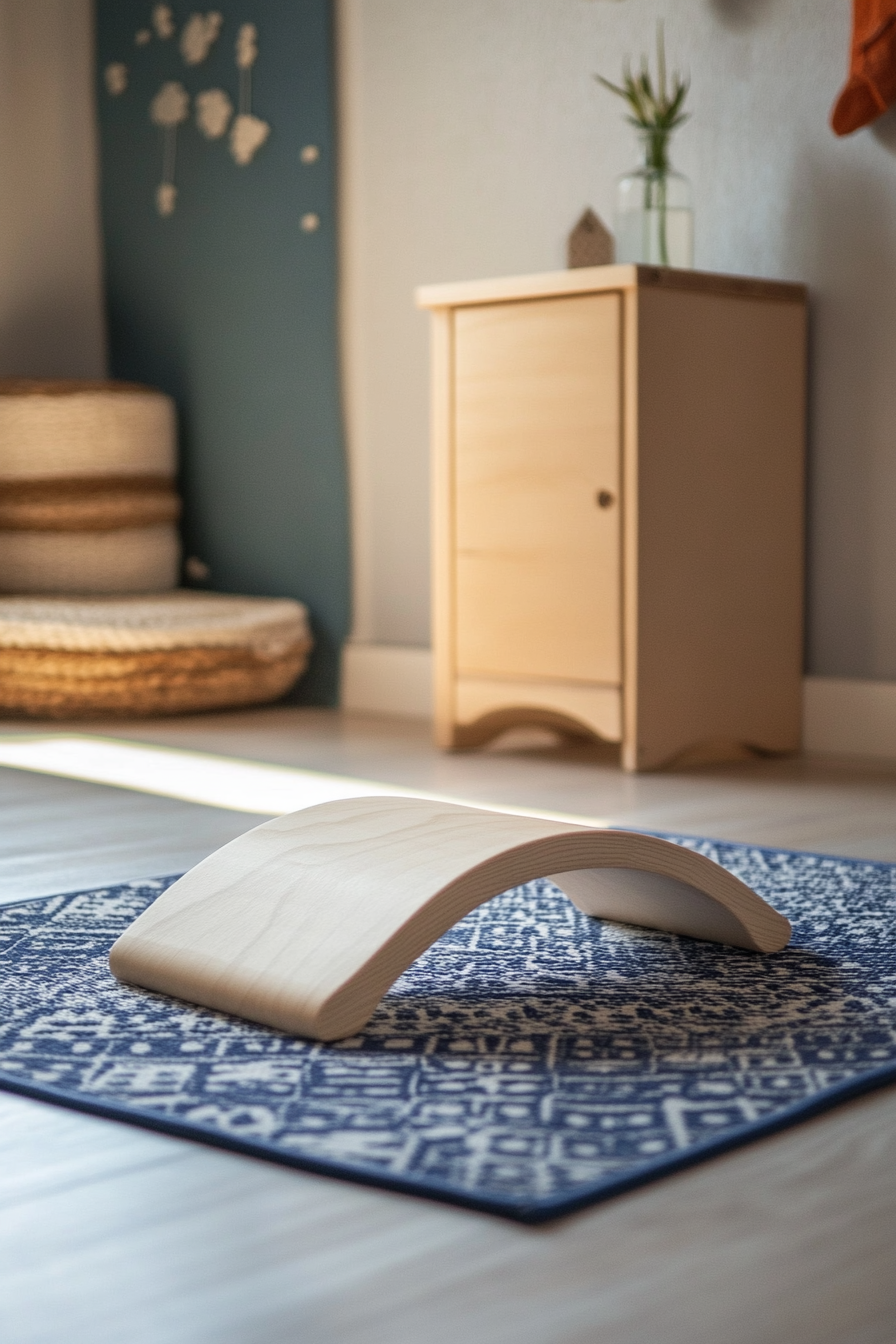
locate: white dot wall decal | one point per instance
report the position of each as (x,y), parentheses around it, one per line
(310,223)
(247,46)
(310,154)
(116,77)
(163,21)
(213,112)
(247,135)
(248,132)
(216,111)
(168,109)
(171,105)
(166,198)
(196,569)
(199,35)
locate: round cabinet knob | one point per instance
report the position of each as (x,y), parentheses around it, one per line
(605,499)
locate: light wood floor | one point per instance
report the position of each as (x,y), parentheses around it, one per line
(110,1233)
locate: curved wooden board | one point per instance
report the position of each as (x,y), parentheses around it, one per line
(304,922)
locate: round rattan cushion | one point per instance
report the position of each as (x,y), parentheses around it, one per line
(87,495)
(171,653)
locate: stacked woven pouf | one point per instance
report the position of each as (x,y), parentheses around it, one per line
(89,552)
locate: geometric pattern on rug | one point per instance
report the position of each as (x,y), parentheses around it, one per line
(532,1061)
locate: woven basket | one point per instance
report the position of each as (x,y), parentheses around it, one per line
(87,497)
(172,653)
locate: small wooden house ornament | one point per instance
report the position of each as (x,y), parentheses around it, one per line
(590,243)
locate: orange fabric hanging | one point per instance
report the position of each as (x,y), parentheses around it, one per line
(871,87)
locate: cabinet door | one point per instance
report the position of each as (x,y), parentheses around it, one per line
(537,434)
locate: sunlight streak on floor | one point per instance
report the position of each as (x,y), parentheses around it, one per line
(216,781)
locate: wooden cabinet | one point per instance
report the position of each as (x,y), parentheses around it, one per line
(618,509)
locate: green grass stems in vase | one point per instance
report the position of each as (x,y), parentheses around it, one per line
(654,216)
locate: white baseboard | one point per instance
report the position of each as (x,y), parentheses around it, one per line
(841,715)
(387,679)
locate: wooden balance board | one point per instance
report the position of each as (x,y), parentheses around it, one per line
(304,922)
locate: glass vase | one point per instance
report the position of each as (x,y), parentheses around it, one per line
(655,217)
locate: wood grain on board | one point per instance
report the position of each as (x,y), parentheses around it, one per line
(304,923)
(536,441)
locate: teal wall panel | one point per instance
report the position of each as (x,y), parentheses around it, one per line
(229,304)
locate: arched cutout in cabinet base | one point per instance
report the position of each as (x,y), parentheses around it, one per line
(469,736)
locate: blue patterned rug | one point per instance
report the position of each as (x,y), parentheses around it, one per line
(532,1061)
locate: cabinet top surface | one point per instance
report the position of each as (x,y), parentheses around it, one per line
(594,279)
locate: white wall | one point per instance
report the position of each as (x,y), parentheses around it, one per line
(51,312)
(473,135)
